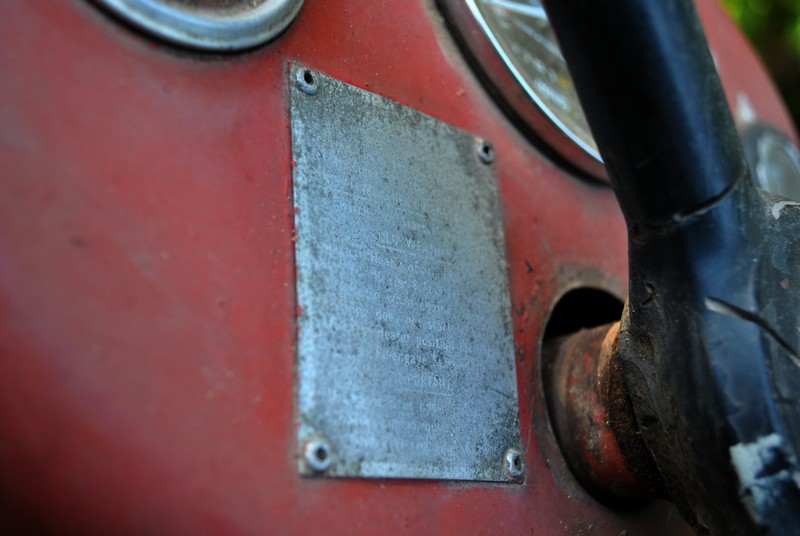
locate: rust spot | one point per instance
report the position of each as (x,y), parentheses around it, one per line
(528,266)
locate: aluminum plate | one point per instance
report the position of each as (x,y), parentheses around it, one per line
(405,350)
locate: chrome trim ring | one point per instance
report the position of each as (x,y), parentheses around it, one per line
(587,145)
(215,29)
(505,88)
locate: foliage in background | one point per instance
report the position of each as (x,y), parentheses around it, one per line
(773,27)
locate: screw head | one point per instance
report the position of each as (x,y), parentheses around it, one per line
(485,151)
(514,464)
(306,80)
(318,455)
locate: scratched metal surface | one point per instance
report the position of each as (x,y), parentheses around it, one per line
(405,350)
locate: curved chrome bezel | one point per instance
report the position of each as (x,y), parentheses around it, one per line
(207,28)
(511,65)
(514,94)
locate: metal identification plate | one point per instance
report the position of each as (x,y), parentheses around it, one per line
(405,350)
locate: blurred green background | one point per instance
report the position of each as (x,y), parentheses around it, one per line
(773,27)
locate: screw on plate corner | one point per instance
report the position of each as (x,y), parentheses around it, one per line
(306,80)
(514,464)
(485,151)
(318,455)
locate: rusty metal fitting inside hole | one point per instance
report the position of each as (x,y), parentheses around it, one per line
(593,419)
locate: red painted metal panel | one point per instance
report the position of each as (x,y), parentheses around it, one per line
(147,308)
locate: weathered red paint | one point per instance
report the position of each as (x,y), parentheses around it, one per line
(593,418)
(147,307)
